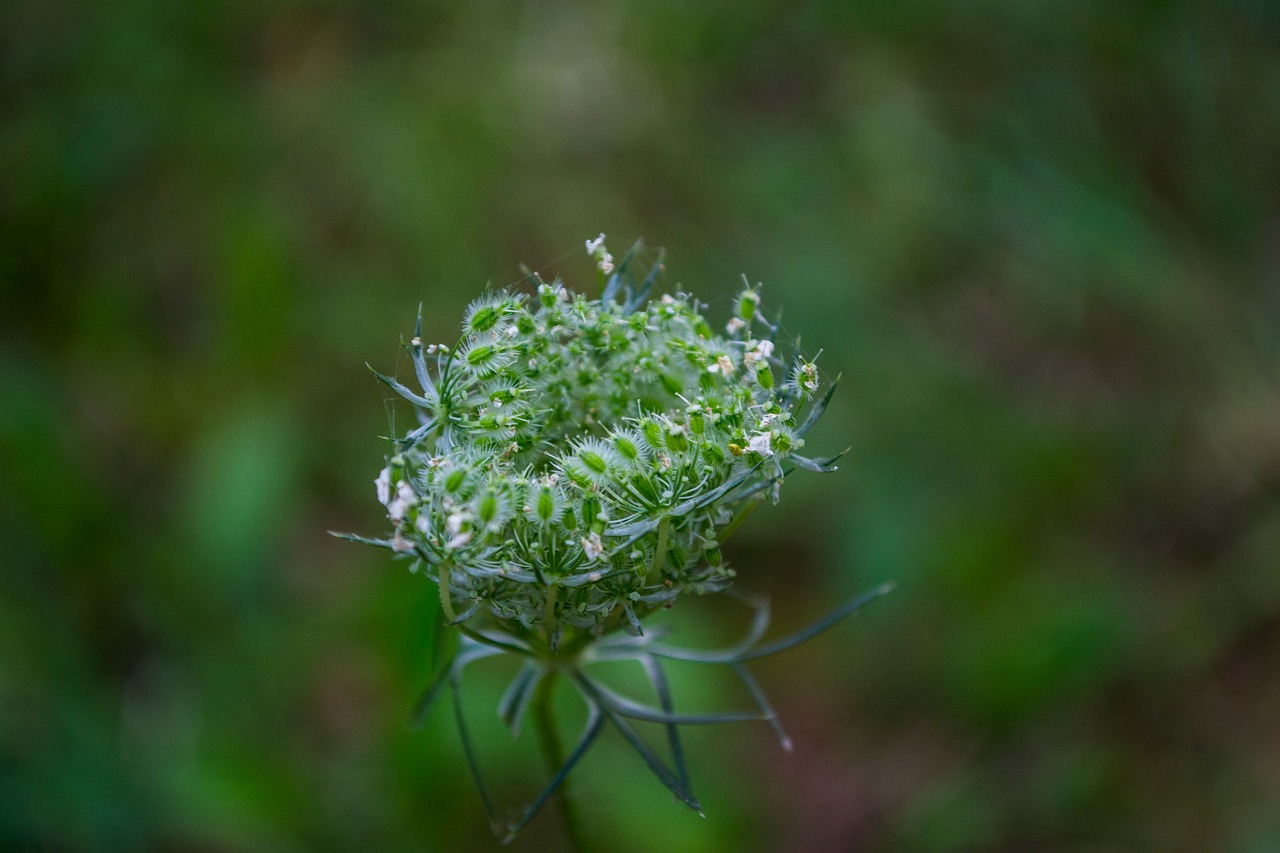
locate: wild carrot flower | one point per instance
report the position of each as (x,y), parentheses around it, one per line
(576,465)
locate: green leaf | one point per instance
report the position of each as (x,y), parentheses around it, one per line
(626,707)
(712,496)
(595,722)
(419,361)
(759,624)
(423,706)
(829,621)
(515,700)
(452,668)
(363,540)
(762,702)
(391,383)
(818,408)
(502,642)
(822,466)
(622,269)
(650,758)
(468,749)
(646,286)
(403,444)
(663,690)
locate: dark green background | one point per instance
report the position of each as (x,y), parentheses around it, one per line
(1040,241)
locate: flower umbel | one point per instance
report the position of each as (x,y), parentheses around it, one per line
(576,466)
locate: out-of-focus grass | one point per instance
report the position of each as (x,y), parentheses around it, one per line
(1038,241)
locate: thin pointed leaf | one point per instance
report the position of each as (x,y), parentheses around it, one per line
(468,749)
(464,615)
(635,537)
(363,540)
(818,408)
(635,529)
(692,655)
(713,495)
(453,668)
(391,383)
(420,362)
(775,325)
(762,702)
(660,686)
(515,701)
(642,294)
(759,624)
(417,435)
(633,621)
(420,708)
(531,276)
(754,489)
(821,466)
(759,621)
(595,722)
(615,280)
(494,641)
(575,581)
(610,289)
(630,255)
(650,758)
(634,710)
(829,621)
(622,646)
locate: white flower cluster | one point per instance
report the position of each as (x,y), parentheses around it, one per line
(577,461)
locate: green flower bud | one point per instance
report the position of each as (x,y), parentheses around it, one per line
(764,375)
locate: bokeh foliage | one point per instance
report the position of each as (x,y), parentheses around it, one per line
(1039,240)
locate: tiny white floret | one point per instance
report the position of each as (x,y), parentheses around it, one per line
(759,352)
(592,546)
(454,523)
(809,376)
(762,444)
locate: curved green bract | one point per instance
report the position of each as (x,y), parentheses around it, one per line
(606,705)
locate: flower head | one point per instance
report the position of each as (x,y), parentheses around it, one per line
(564,436)
(576,465)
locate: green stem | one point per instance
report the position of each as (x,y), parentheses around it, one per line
(550,617)
(737,520)
(442,580)
(660,552)
(553,752)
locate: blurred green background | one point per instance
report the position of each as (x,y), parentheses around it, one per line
(1040,241)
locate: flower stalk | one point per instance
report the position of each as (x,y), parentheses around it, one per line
(553,754)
